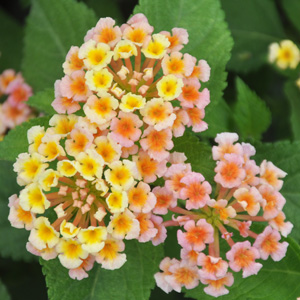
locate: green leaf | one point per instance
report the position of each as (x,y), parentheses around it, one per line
(209,37)
(13,241)
(15,142)
(292,9)
(292,92)
(198,154)
(275,281)
(4,295)
(286,156)
(11,42)
(217,116)
(254,24)
(102,9)
(252,116)
(133,281)
(42,101)
(52,28)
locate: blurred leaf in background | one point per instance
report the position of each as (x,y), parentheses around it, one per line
(11,42)
(254,25)
(292,93)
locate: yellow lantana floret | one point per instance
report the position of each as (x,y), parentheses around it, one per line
(124,225)
(71,253)
(121,174)
(101,110)
(50,147)
(92,238)
(29,167)
(157,46)
(117,201)
(32,198)
(109,257)
(95,55)
(107,148)
(169,87)
(286,54)
(131,102)
(62,124)
(124,49)
(89,164)
(99,81)
(34,136)
(68,230)
(66,168)
(43,235)
(49,179)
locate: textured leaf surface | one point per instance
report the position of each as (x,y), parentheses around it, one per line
(275,281)
(42,101)
(217,116)
(292,92)
(251,115)
(52,28)
(286,156)
(16,142)
(3,292)
(13,240)
(254,25)
(133,281)
(198,154)
(209,37)
(11,42)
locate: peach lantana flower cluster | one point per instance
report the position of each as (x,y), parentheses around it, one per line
(86,178)
(14,110)
(245,193)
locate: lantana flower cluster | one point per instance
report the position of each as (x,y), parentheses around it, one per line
(14,110)
(286,54)
(86,179)
(245,194)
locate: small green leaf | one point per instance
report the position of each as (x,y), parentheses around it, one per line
(11,42)
(254,24)
(286,156)
(209,37)
(42,101)
(13,241)
(4,295)
(292,92)
(252,116)
(198,154)
(275,281)
(133,281)
(52,28)
(15,142)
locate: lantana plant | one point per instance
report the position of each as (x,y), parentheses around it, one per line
(105,171)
